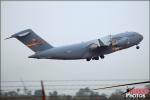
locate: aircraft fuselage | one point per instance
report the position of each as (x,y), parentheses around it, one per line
(93,48)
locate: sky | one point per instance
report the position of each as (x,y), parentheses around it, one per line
(67,22)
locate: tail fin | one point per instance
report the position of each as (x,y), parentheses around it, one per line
(33,41)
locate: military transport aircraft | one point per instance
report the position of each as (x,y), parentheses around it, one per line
(86,50)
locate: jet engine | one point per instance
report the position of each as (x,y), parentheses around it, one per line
(93,46)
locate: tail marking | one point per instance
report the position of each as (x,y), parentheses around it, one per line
(35,42)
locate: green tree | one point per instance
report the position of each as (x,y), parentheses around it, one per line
(117,95)
(86,94)
(12,93)
(102,97)
(38,93)
(53,95)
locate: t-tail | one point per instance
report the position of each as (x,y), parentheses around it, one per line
(31,40)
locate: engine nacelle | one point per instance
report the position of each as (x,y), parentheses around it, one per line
(93,46)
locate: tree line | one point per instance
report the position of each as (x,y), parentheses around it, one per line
(81,94)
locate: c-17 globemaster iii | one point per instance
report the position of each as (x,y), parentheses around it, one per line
(93,49)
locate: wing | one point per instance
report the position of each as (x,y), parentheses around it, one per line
(123,85)
(98,45)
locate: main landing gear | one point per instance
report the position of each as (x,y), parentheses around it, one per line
(88,59)
(102,56)
(137,47)
(95,58)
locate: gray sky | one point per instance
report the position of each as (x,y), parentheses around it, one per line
(64,22)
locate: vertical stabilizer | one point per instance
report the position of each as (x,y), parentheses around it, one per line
(31,40)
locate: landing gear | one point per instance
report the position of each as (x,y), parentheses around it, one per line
(102,56)
(95,58)
(137,47)
(88,59)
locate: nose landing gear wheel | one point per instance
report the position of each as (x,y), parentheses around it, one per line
(137,47)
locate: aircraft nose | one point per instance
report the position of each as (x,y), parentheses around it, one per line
(140,37)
